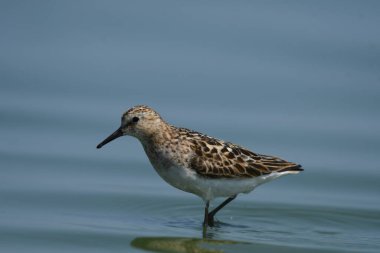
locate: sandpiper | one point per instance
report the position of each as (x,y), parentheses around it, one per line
(197,163)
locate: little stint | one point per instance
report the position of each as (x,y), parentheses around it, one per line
(197,163)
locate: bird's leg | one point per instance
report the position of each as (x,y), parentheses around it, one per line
(205,221)
(211,214)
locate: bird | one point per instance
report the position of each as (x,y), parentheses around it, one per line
(197,163)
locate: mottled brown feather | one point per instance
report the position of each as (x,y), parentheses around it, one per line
(215,158)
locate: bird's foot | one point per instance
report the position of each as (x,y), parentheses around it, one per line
(209,221)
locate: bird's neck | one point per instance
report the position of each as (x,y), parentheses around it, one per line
(162,146)
(158,138)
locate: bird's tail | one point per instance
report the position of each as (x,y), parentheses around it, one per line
(293,169)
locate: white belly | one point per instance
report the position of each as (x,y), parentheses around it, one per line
(210,188)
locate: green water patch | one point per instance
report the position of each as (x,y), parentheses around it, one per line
(179,245)
(196,245)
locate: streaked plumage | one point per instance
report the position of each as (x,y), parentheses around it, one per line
(215,158)
(197,163)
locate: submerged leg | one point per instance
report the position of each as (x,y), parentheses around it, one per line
(211,215)
(205,221)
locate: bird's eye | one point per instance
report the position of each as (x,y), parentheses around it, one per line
(135,119)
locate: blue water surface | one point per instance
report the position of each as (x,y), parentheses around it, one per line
(296,79)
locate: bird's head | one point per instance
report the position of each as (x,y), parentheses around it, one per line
(140,121)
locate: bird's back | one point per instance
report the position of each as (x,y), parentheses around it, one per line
(214,158)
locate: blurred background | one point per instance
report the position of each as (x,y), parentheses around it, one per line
(295,79)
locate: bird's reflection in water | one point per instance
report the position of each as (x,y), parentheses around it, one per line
(179,245)
(212,232)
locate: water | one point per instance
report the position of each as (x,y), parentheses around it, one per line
(295,79)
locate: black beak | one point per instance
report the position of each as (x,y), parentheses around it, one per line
(112,137)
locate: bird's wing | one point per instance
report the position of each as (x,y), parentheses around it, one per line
(217,159)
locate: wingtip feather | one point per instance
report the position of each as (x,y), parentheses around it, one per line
(296,168)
